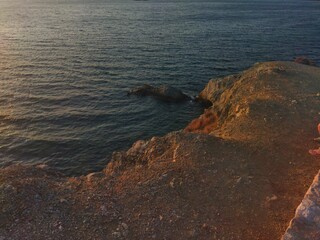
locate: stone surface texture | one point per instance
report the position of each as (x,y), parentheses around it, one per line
(306,223)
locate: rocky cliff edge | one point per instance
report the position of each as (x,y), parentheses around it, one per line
(237,172)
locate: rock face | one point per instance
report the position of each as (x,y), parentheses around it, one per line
(237,172)
(164,92)
(306,223)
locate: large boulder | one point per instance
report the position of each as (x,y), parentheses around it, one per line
(163,92)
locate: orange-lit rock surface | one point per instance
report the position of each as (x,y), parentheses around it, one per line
(237,172)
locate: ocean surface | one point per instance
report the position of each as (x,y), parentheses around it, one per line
(66,66)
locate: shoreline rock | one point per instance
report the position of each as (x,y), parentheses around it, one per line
(238,175)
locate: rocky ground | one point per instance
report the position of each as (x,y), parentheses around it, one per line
(239,171)
(305,224)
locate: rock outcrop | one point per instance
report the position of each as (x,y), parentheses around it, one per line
(306,223)
(237,172)
(164,93)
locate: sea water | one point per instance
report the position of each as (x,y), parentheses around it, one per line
(66,66)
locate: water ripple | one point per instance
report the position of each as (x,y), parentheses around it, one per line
(66,66)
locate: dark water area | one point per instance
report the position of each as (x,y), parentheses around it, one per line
(65,68)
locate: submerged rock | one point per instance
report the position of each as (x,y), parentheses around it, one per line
(164,92)
(305,61)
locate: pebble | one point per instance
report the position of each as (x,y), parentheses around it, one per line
(272,198)
(172,183)
(116,234)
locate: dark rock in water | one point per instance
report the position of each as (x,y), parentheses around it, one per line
(305,61)
(164,92)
